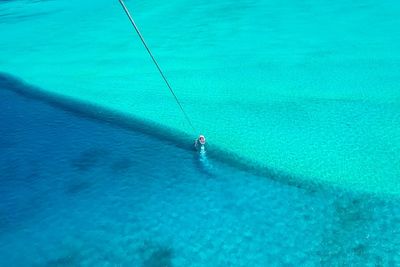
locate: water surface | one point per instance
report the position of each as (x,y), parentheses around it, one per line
(76,191)
(310,88)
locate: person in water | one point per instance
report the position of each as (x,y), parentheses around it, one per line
(200,142)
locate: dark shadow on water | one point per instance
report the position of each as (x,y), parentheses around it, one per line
(358,234)
(155,255)
(121,165)
(88,159)
(74,258)
(77,186)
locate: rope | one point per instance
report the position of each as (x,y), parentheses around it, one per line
(158,67)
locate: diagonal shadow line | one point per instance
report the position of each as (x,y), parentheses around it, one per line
(175,137)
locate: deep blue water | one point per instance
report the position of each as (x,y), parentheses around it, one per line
(76,191)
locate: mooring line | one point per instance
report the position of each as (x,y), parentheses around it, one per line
(158,67)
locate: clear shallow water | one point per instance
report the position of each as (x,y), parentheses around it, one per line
(81,192)
(307,88)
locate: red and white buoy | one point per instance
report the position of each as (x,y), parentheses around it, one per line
(200,142)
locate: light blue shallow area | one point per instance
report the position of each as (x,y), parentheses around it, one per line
(309,88)
(79,192)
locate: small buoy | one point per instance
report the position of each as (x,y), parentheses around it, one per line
(202,139)
(200,142)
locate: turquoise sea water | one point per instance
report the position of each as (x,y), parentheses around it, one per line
(299,101)
(79,191)
(307,88)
